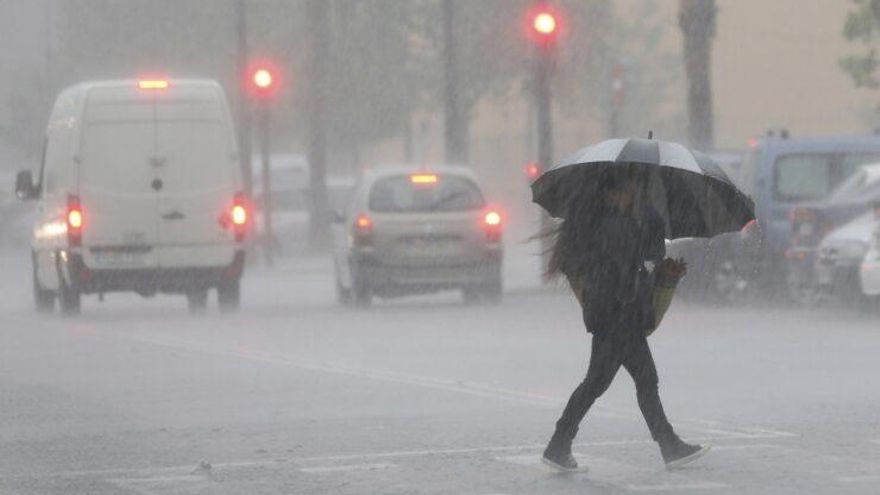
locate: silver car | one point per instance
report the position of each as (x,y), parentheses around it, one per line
(410,232)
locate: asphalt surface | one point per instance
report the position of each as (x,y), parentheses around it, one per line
(424,395)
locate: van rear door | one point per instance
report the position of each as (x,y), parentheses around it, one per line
(199,174)
(116,184)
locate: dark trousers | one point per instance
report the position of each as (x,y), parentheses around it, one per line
(611,351)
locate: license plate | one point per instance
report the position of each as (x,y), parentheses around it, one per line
(120,258)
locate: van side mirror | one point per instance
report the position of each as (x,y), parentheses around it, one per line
(24,186)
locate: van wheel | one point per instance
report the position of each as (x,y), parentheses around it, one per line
(43,299)
(70,300)
(492,291)
(229,296)
(197,301)
(471,294)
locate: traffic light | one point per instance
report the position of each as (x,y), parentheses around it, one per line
(543,24)
(263,80)
(533,171)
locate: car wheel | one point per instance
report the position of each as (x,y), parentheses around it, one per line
(361,291)
(44,300)
(197,301)
(801,289)
(229,296)
(70,300)
(343,295)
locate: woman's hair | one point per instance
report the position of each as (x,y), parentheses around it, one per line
(587,205)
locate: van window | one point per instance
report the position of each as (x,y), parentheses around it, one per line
(449,193)
(803,177)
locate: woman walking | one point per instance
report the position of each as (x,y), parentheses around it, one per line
(609,248)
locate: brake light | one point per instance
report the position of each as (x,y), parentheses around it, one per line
(153,84)
(75,220)
(239,215)
(492,218)
(363,224)
(423,179)
(363,229)
(492,225)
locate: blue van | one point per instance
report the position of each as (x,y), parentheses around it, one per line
(782,173)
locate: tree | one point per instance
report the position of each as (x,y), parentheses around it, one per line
(863,26)
(697,22)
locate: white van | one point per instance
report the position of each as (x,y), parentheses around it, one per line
(139,190)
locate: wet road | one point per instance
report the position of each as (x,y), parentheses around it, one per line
(296,395)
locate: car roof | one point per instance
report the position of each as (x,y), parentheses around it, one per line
(373,174)
(820,144)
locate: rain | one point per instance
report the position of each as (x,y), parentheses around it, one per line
(439,247)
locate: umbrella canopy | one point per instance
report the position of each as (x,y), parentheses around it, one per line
(691,193)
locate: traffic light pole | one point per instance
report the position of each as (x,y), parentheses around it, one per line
(543,106)
(265,152)
(244,103)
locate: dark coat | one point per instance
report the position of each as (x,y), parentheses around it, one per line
(606,262)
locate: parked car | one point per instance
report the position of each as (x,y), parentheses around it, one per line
(811,222)
(782,174)
(139,190)
(869,271)
(841,255)
(411,231)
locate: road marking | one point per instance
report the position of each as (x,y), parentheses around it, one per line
(675,487)
(347,468)
(859,479)
(707,428)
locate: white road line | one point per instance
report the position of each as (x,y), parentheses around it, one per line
(676,487)
(346,468)
(868,478)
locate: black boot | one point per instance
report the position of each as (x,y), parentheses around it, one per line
(558,453)
(677,453)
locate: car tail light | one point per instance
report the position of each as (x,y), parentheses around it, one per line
(363,229)
(75,220)
(492,225)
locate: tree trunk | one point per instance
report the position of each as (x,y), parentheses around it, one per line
(697,23)
(456,129)
(317,20)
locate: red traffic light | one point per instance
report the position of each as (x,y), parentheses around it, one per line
(533,171)
(262,80)
(543,24)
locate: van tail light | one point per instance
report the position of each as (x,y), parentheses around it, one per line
(239,216)
(492,225)
(75,220)
(363,230)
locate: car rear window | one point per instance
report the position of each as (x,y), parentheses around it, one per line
(403,194)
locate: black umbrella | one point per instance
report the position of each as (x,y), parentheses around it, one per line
(689,191)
